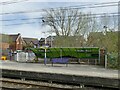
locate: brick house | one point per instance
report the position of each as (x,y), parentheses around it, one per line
(16,42)
(13,42)
(42,41)
(4,44)
(4,41)
(10,42)
(30,42)
(49,41)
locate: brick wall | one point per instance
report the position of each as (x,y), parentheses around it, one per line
(19,44)
(4,45)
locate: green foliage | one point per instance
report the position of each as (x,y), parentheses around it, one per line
(113,61)
(108,41)
(68,41)
(67,52)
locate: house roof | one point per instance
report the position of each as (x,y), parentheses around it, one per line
(4,38)
(13,37)
(96,34)
(42,39)
(29,40)
(100,34)
(49,38)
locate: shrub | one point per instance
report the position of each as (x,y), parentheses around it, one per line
(113,61)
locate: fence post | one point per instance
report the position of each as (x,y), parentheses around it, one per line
(106,61)
(26,54)
(17,55)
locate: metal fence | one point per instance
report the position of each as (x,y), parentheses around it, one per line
(24,56)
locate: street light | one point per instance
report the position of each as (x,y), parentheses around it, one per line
(44,45)
(45,48)
(105,27)
(51,39)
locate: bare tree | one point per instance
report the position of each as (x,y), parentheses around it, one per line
(109,38)
(66,22)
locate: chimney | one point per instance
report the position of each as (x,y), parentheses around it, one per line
(18,34)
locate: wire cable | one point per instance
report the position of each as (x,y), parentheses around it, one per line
(57,20)
(93,4)
(11,2)
(42,10)
(21,23)
(115,13)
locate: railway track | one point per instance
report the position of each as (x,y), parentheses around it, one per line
(8,83)
(21,84)
(16,84)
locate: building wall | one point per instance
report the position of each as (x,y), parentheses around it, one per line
(19,44)
(4,49)
(4,45)
(13,46)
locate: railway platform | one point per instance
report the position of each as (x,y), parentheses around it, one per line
(74,74)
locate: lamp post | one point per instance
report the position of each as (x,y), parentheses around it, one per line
(105,27)
(51,39)
(45,61)
(45,48)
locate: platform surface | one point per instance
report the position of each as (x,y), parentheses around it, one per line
(72,69)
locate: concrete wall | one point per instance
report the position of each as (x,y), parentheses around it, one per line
(68,79)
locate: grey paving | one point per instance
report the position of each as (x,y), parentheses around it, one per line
(72,69)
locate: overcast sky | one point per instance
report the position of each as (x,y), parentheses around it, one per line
(35,29)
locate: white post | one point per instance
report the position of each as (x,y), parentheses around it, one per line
(99,57)
(105,61)
(17,56)
(51,41)
(79,60)
(26,56)
(45,47)
(61,53)
(45,57)
(45,52)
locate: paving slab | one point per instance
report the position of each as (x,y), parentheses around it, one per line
(72,69)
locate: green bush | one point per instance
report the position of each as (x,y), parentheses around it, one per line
(88,52)
(113,61)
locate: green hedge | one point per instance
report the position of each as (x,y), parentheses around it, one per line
(113,61)
(88,52)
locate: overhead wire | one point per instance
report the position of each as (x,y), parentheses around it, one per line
(94,4)
(62,8)
(11,2)
(21,23)
(115,13)
(57,20)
